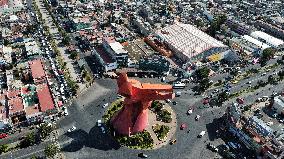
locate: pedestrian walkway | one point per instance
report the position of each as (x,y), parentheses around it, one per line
(153,121)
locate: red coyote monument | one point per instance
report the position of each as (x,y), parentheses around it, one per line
(133,117)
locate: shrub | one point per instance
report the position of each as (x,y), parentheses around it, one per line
(164,116)
(161,131)
(141,140)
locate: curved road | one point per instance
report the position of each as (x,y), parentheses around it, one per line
(88,141)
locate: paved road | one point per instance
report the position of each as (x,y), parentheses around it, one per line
(26,152)
(89,142)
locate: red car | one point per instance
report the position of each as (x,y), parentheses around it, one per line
(2,136)
(240,100)
(182,126)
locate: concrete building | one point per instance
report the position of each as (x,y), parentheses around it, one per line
(268,39)
(270,29)
(143,27)
(237,27)
(116,50)
(106,61)
(260,127)
(248,45)
(189,43)
(278,104)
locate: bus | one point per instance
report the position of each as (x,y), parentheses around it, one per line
(178,85)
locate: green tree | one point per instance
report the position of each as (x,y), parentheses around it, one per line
(3,148)
(204,84)
(44,130)
(6,42)
(261,83)
(271,79)
(34,157)
(51,150)
(202,73)
(216,24)
(281,75)
(29,140)
(222,97)
(73,55)
(267,54)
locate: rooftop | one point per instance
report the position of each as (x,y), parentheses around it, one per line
(268,38)
(117,48)
(3,3)
(255,42)
(37,69)
(45,98)
(188,39)
(15,105)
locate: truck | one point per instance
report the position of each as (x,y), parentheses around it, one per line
(178,85)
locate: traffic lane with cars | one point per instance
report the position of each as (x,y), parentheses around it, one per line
(251,81)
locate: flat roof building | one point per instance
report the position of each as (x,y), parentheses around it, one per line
(278,104)
(189,43)
(256,42)
(268,39)
(45,98)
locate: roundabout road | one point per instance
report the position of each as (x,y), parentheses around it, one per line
(88,141)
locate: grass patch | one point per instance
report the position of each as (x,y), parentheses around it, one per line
(141,140)
(115,107)
(161,131)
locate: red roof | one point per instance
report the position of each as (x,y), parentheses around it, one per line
(107,59)
(37,69)
(45,98)
(13,93)
(3,2)
(15,105)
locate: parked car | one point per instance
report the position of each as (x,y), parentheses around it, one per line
(212,147)
(202,133)
(105,105)
(173,141)
(103,130)
(168,101)
(240,100)
(99,122)
(182,126)
(142,155)
(190,110)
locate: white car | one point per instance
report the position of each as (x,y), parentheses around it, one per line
(66,112)
(202,133)
(99,122)
(105,105)
(71,129)
(189,111)
(103,130)
(197,117)
(168,101)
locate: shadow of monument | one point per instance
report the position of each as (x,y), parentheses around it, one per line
(213,129)
(94,139)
